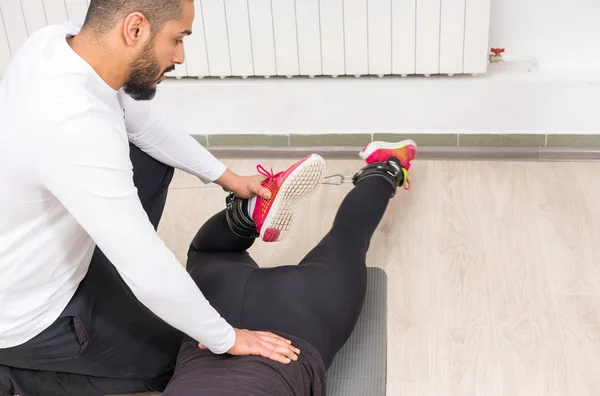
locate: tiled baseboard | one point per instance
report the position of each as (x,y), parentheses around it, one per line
(433,147)
(423,140)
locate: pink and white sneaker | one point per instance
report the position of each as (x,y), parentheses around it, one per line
(273,217)
(405,151)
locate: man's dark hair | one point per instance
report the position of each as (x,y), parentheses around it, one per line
(103,15)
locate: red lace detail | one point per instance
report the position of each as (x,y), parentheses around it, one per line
(271,184)
(268,174)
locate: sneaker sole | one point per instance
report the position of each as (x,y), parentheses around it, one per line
(299,185)
(372,147)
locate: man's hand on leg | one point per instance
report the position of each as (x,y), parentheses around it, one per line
(265,344)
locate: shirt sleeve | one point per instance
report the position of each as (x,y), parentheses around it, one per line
(161,138)
(85,164)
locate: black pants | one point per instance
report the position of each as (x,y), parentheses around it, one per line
(318,300)
(105,341)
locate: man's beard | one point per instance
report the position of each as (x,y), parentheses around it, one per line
(141,84)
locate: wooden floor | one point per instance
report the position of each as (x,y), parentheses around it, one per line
(494,271)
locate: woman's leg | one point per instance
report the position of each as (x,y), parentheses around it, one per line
(220,265)
(320,300)
(218,260)
(216,236)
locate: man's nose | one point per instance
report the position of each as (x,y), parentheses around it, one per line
(179,55)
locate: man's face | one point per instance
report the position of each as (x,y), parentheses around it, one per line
(159,55)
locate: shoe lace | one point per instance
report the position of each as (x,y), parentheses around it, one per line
(406,181)
(403,169)
(268,174)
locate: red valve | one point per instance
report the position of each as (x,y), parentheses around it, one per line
(497,51)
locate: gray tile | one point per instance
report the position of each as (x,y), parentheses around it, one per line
(248,140)
(201,139)
(350,140)
(509,140)
(423,139)
(481,140)
(573,140)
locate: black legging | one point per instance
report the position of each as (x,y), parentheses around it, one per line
(318,300)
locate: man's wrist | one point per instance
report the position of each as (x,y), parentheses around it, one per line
(228,180)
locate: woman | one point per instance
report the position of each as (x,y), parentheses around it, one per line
(314,304)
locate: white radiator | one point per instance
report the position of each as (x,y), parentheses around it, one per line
(302,37)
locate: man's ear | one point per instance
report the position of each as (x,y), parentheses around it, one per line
(135,28)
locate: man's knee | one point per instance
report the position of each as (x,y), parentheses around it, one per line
(150,176)
(152,179)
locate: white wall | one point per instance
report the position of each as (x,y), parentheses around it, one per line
(564,35)
(457,105)
(561,34)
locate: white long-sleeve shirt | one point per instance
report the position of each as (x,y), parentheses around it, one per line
(66,185)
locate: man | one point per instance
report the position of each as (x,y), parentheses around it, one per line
(86,285)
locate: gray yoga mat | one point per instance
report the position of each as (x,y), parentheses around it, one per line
(360,368)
